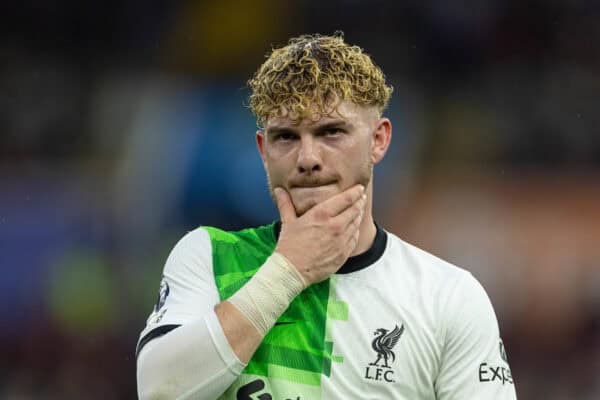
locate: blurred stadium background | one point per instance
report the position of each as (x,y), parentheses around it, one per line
(122,126)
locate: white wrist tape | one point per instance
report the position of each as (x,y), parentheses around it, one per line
(269,292)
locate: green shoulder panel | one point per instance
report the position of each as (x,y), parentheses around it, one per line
(295,349)
(238,255)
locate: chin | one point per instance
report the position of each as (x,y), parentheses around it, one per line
(302,208)
(305,201)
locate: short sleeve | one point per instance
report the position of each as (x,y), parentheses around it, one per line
(187,289)
(474,364)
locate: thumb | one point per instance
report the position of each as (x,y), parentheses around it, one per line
(285,205)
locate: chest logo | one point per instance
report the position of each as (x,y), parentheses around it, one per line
(163,292)
(383,344)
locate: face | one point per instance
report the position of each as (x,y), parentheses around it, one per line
(320,157)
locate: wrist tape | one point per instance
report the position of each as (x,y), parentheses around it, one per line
(269,292)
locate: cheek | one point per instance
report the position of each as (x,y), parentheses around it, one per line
(275,169)
(361,155)
(355,165)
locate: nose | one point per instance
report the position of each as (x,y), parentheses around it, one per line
(309,158)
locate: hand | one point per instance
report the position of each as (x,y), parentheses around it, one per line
(319,242)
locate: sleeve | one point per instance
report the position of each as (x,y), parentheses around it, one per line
(187,290)
(474,364)
(183,350)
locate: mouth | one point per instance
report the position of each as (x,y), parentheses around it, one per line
(310,185)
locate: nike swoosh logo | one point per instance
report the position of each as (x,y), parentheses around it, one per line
(284,323)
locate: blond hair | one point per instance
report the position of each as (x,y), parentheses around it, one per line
(311,75)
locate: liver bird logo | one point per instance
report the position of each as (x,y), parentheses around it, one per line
(384,343)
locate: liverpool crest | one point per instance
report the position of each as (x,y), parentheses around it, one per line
(383,344)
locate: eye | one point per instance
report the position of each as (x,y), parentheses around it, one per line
(332,132)
(284,136)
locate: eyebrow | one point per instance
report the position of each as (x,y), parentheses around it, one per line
(278,129)
(339,123)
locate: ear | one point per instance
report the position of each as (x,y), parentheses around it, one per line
(382,136)
(260,143)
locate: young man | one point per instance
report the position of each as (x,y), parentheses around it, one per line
(324,304)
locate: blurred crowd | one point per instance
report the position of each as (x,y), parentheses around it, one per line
(123,125)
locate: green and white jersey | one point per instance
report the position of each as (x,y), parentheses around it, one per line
(394,323)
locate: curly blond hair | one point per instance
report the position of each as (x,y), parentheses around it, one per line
(311,75)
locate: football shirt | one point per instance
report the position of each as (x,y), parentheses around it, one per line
(394,323)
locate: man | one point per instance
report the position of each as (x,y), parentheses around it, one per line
(324,304)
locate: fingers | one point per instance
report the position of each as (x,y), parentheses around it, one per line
(352,215)
(284,205)
(353,241)
(348,222)
(342,201)
(353,228)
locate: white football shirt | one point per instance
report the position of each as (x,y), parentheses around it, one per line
(399,323)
